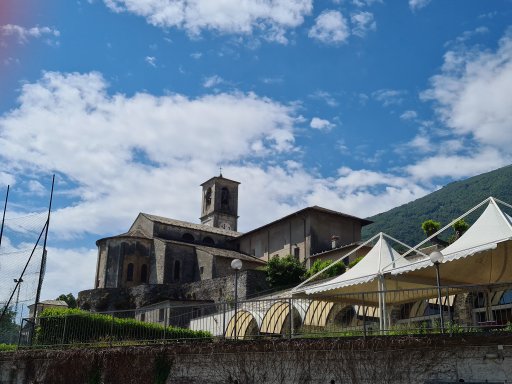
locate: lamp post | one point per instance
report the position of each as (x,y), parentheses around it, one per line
(437,257)
(17,281)
(236,264)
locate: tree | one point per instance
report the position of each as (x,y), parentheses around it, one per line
(8,327)
(430,227)
(69,299)
(285,271)
(318,265)
(459,227)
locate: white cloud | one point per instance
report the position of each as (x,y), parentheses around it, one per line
(458,166)
(330,28)
(365,3)
(362,23)
(418,4)
(22,34)
(151,60)
(389,97)
(196,55)
(409,115)
(472,94)
(212,81)
(271,18)
(321,124)
(132,143)
(326,97)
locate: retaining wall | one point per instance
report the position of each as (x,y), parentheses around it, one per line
(441,359)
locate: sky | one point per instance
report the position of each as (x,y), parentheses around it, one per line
(353,105)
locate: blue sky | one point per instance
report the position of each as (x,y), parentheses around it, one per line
(354,105)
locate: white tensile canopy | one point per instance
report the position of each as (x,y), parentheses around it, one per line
(365,276)
(482,255)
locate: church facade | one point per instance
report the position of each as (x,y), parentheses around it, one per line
(162,251)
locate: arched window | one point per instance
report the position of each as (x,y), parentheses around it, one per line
(208,240)
(177,270)
(129,272)
(144,273)
(188,238)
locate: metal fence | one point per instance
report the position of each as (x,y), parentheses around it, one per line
(416,311)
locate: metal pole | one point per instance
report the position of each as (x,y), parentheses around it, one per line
(439,296)
(225,308)
(3,217)
(364,318)
(291,316)
(43,259)
(17,298)
(236,302)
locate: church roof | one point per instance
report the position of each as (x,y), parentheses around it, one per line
(186,224)
(220,252)
(306,210)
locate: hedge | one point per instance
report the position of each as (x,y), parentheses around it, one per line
(70,326)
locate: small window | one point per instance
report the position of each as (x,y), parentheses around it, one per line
(143,316)
(201,270)
(161,314)
(144,273)
(129,272)
(177,270)
(296,252)
(208,240)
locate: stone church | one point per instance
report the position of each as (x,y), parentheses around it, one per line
(171,259)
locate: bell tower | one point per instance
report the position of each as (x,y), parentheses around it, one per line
(220,203)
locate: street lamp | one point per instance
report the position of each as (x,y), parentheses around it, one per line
(18,282)
(437,257)
(236,264)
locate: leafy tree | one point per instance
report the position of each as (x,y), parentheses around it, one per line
(8,327)
(355,261)
(284,271)
(460,227)
(430,227)
(69,299)
(318,265)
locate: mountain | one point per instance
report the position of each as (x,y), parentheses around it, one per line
(448,203)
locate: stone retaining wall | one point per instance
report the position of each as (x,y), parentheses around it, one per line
(396,360)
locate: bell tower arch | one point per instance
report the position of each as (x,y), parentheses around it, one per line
(220,203)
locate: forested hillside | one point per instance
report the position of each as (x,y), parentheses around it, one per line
(444,205)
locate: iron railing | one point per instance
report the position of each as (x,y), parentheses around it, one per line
(415,311)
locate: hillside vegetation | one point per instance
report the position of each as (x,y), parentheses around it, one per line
(444,205)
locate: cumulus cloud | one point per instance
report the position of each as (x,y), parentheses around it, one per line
(389,97)
(330,28)
(271,18)
(472,94)
(133,142)
(151,60)
(212,81)
(418,4)
(362,23)
(321,124)
(409,115)
(22,34)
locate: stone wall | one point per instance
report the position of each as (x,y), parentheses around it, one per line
(396,360)
(250,282)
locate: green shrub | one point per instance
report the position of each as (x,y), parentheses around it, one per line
(285,271)
(68,326)
(318,265)
(7,347)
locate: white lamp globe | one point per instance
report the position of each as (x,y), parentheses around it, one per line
(436,257)
(236,264)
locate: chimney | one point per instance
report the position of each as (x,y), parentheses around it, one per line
(335,241)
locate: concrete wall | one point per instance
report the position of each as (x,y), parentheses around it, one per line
(393,360)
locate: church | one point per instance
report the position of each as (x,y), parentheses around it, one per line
(179,260)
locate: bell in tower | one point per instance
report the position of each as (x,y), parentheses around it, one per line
(220,203)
